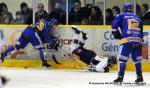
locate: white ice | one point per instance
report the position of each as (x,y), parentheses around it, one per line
(39,78)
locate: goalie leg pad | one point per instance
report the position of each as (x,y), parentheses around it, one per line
(42,55)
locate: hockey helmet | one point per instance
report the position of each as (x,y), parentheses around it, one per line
(112,60)
(53,21)
(127,7)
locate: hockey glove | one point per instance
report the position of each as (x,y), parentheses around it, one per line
(76,30)
(117,34)
(84,36)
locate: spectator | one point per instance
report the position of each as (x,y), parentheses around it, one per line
(0,13)
(27,13)
(109,16)
(86,11)
(75,15)
(6,16)
(115,10)
(41,13)
(145,14)
(138,10)
(58,14)
(96,16)
(19,18)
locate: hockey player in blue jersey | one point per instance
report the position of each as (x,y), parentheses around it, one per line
(131,38)
(96,63)
(36,34)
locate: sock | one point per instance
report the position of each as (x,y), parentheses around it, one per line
(42,56)
(122,67)
(138,68)
(9,50)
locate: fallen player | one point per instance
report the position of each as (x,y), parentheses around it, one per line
(95,62)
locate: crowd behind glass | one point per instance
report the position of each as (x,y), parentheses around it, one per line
(87,15)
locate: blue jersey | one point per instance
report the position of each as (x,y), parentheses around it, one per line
(131,27)
(36,35)
(43,29)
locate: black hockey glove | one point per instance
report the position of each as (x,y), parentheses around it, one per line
(117,34)
(54,44)
(76,30)
(84,36)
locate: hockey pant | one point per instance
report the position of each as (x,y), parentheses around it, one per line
(84,54)
(28,36)
(135,50)
(91,58)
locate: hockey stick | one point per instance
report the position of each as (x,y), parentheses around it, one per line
(74,59)
(55,60)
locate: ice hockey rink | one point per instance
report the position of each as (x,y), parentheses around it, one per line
(40,78)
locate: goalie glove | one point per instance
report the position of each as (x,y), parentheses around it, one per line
(117,34)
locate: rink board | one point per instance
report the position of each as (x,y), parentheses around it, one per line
(70,65)
(100,40)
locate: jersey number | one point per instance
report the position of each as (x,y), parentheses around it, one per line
(133,24)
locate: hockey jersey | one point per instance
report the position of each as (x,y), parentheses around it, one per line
(77,41)
(43,29)
(131,27)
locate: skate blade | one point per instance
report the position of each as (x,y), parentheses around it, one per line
(139,83)
(47,68)
(118,83)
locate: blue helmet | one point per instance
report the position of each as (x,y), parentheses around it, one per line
(53,21)
(127,7)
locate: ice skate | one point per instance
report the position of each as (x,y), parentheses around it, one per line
(46,65)
(119,79)
(139,79)
(3,55)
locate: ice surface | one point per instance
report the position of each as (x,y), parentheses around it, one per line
(39,78)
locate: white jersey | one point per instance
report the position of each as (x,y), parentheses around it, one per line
(79,38)
(102,64)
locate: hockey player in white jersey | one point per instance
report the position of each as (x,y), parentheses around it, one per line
(95,62)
